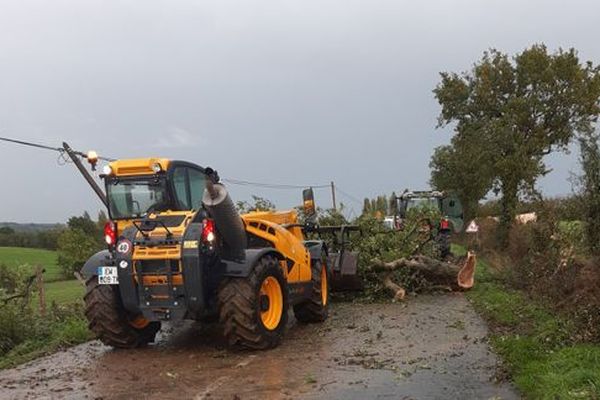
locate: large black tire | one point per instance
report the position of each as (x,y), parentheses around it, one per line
(443,245)
(240,308)
(316,309)
(110,322)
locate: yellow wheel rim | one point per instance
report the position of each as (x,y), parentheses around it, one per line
(271,303)
(324,288)
(139,322)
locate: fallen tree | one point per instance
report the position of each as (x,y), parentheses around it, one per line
(438,274)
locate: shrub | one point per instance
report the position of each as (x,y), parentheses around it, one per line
(74,248)
(23,331)
(17,324)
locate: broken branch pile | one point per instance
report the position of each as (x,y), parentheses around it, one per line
(438,274)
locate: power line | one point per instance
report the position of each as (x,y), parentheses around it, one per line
(349,196)
(44,147)
(272,185)
(230,180)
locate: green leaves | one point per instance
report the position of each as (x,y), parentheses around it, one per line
(508,114)
(590,190)
(74,248)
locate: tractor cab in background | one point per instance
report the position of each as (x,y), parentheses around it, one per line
(450,211)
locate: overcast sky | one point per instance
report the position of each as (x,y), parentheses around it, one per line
(295,92)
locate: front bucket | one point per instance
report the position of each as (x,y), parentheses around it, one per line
(344,275)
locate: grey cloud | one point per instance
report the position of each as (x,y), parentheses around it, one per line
(283,92)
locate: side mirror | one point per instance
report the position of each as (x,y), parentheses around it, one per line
(310,210)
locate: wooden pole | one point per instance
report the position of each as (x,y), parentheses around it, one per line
(41,291)
(333,196)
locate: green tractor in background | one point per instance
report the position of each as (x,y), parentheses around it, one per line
(450,216)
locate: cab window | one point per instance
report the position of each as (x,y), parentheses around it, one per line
(188,184)
(197,183)
(180,184)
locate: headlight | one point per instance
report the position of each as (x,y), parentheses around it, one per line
(156,168)
(107,170)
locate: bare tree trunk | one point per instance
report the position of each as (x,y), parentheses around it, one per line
(438,273)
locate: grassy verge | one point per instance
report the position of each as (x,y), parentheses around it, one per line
(36,336)
(534,342)
(55,336)
(24,333)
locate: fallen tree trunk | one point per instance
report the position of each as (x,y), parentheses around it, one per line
(437,273)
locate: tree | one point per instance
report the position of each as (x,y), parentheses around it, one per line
(462,168)
(519,110)
(74,248)
(258,204)
(6,230)
(102,219)
(590,190)
(84,223)
(366,206)
(332,217)
(81,239)
(378,205)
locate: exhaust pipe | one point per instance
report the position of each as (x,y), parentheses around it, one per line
(227,220)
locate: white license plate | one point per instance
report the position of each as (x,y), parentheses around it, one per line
(108,276)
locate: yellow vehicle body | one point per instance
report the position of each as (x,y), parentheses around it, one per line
(282,230)
(169,268)
(288,237)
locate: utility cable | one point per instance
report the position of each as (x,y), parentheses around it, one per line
(272,185)
(57,149)
(63,160)
(349,196)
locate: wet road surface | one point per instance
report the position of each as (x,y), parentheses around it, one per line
(430,347)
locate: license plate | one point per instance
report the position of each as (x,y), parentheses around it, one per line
(108,276)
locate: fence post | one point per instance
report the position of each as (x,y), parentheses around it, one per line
(39,271)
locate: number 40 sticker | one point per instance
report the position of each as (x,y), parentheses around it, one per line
(124,246)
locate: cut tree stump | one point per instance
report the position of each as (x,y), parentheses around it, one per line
(438,273)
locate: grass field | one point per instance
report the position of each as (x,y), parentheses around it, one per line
(63,292)
(19,256)
(57,289)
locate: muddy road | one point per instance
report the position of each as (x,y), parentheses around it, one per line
(431,347)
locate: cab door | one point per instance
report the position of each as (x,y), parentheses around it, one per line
(188,187)
(453,210)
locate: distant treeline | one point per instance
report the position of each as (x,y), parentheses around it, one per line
(30,227)
(41,239)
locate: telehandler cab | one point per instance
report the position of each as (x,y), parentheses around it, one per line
(178,249)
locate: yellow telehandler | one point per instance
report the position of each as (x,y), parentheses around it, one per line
(178,249)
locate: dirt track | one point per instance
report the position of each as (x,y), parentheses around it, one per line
(431,347)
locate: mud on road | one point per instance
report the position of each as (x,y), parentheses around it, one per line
(431,347)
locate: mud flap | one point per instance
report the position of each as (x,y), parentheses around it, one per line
(100,259)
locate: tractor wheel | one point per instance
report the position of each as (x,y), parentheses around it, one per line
(110,322)
(315,309)
(443,245)
(253,310)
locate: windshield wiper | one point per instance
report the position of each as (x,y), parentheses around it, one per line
(169,233)
(140,230)
(148,225)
